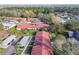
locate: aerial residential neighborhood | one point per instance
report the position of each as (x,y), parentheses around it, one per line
(39,30)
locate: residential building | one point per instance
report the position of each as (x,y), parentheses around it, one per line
(26,20)
(42,44)
(23,41)
(8,41)
(11,50)
(36,22)
(8,25)
(30,26)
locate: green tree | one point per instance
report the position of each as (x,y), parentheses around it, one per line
(72,25)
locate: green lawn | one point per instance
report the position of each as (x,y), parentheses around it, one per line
(0,41)
(1,27)
(18,49)
(29,32)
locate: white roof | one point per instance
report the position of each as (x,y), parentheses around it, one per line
(24,40)
(14,21)
(70,33)
(8,40)
(37,22)
(8,24)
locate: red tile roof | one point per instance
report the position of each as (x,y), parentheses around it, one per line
(42,44)
(29,26)
(40,50)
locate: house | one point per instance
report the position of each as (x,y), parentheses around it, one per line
(30,26)
(8,41)
(13,21)
(22,19)
(42,44)
(76,36)
(24,26)
(23,41)
(11,50)
(8,25)
(32,19)
(26,19)
(36,22)
(72,37)
(70,33)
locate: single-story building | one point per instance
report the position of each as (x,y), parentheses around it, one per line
(24,41)
(13,21)
(27,19)
(11,50)
(8,41)
(30,26)
(36,22)
(42,44)
(8,25)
